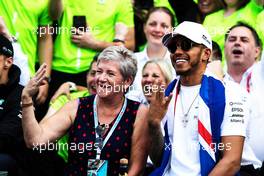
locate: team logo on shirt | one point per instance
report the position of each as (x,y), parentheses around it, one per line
(235,103)
(234,109)
(237,110)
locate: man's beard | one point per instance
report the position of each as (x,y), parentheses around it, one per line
(194,66)
(183,73)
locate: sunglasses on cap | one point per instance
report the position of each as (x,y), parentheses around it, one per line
(185,44)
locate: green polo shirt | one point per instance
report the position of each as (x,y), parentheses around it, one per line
(217,25)
(101,17)
(56,105)
(22,18)
(163,3)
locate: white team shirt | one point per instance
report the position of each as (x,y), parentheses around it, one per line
(256,86)
(256,134)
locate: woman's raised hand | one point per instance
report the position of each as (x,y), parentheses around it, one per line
(35,82)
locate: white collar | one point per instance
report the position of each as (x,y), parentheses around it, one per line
(245,74)
(146,57)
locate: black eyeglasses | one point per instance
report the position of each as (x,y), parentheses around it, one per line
(184,44)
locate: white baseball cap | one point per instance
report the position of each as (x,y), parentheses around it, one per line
(191,30)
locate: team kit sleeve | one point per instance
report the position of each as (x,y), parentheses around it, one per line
(44,18)
(237,111)
(125,13)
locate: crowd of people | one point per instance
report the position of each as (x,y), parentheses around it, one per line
(172,86)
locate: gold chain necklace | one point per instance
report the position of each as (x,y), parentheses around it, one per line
(185,119)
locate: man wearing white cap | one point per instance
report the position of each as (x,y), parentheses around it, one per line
(204,120)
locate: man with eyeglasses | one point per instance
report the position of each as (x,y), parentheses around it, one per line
(10,112)
(204,120)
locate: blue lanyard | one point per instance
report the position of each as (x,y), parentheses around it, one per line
(98,151)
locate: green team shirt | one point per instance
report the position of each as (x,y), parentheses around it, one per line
(22,18)
(217,25)
(62,100)
(260,27)
(56,105)
(101,17)
(163,3)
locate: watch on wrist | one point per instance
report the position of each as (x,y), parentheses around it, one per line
(118,40)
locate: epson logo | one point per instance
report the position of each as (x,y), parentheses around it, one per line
(237,110)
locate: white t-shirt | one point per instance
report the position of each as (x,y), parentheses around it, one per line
(256,132)
(185,158)
(256,87)
(245,77)
(236,95)
(185,148)
(20,60)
